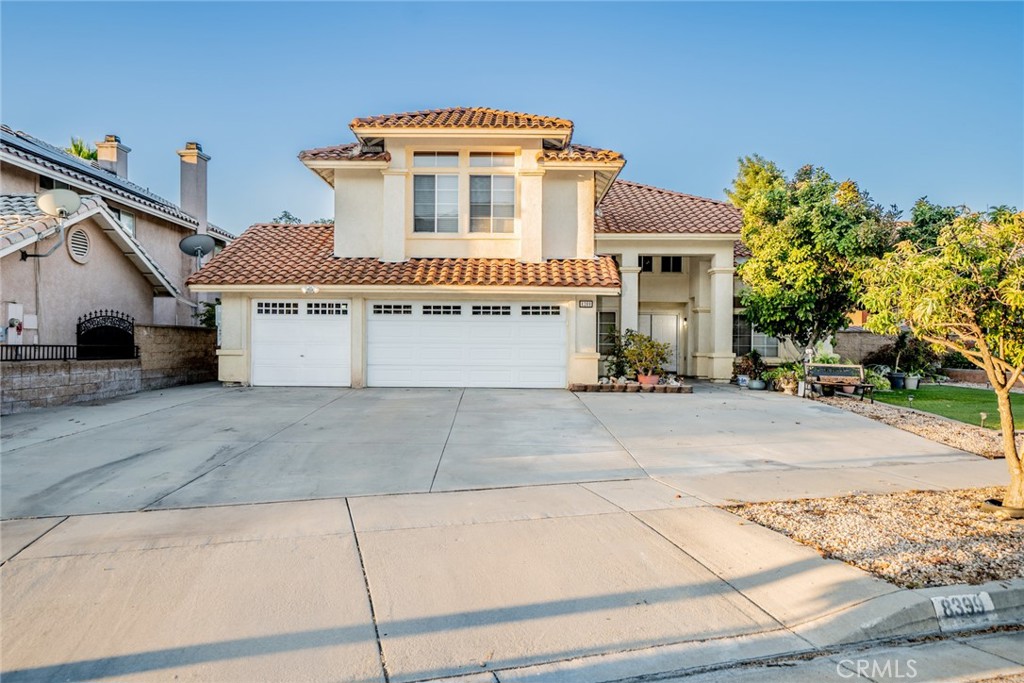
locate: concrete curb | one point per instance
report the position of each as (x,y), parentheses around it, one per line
(904,614)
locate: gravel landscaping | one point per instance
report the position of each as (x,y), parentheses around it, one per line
(970,438)
(913,539)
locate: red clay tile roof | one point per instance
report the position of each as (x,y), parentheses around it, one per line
(581,153)
(462,117)
(740,250)
(352,151)
(634,208)
(275,254)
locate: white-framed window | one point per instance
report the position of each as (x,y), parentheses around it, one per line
(392,309)
(442,309)
(277,308)
(435,159)
(487,309)
(746,338)
(48,183)
(127,219)
(541,309)
(436,203)
(491,159)
(326,308)
(605,332)
(492,203)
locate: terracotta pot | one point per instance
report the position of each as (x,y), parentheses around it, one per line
(848,389)
(648,380)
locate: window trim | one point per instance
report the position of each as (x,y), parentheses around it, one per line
(615,323)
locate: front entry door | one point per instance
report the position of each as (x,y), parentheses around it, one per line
(663,327)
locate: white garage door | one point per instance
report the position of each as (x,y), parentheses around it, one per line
(457,344)
(301,344)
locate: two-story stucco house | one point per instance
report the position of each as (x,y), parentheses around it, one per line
(118,252)
(474,248)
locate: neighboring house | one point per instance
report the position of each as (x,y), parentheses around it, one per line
(474,247)
(120,250)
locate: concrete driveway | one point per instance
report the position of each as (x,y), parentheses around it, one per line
(408,535)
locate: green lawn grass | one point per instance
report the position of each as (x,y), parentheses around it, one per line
(958,403)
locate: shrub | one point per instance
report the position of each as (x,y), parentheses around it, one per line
(877,380)
(916,356)
(957,360)
(644,355)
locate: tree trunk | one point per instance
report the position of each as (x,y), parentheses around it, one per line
(1015,491)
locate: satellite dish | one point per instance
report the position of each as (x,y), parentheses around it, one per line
(198,246)
(59,203)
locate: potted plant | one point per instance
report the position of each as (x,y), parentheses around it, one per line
(786,377)
(896,378)
(742,368)
(913,379)
(615,361)
(757,371)
(645,356)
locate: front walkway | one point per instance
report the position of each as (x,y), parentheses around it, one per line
(495,535)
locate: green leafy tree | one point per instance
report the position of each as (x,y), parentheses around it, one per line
(806,236)
(286,217)
(966,294)
(81,148)
(324,221)
(927,220)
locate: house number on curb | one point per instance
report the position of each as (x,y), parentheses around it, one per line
(956,612)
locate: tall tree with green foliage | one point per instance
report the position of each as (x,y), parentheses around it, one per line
(82,149)
(965,294)
(927,220)
(286,217)
(806,236)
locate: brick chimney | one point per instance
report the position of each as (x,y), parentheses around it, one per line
(112,156)
(193,182)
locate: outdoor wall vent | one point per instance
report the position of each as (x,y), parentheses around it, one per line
(78,245)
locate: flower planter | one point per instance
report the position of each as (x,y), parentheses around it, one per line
(912,382)
(742,380)
(756,384)
(847,389)
(896,380)
(648,380)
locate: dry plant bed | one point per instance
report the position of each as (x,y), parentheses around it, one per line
(971,438)
(913,539)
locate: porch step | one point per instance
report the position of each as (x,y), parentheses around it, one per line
(633,388)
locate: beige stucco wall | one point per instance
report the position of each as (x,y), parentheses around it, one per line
(374,207)
(358,213)
(160,239)
(561,215)
(67,289)
(14,180)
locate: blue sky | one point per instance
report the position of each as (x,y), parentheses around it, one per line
(908,99)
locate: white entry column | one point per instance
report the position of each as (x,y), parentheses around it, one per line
(629,311)
(721,312)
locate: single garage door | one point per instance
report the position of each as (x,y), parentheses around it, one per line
(301,344)
(456,344)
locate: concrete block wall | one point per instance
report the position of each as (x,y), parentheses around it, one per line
(169,356)
(42,384)
(174,355)
(855,344)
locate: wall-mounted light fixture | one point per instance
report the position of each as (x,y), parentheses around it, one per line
(309,289)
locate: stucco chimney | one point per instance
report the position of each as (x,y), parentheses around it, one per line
(113,156)
(193,182)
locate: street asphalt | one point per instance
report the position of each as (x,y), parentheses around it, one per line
(222,534)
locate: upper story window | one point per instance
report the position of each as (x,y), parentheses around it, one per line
(646,264)
(48,183)
(127,219)
(671,264)
(436,203)
(492,203)
(435,159)
(491,159)
(464,192)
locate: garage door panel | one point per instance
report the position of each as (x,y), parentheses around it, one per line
(500,348)
(301,343)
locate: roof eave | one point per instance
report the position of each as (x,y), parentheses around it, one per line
(367,134)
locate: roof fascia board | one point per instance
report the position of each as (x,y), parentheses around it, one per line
(106,194)
(655,236)
(413,290)
(464,132)
(344,164)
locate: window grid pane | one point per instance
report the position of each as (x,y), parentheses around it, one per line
(436,203)
(605,332)
(492,203)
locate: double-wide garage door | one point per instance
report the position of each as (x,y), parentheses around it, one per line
(410,344)
(459,344)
